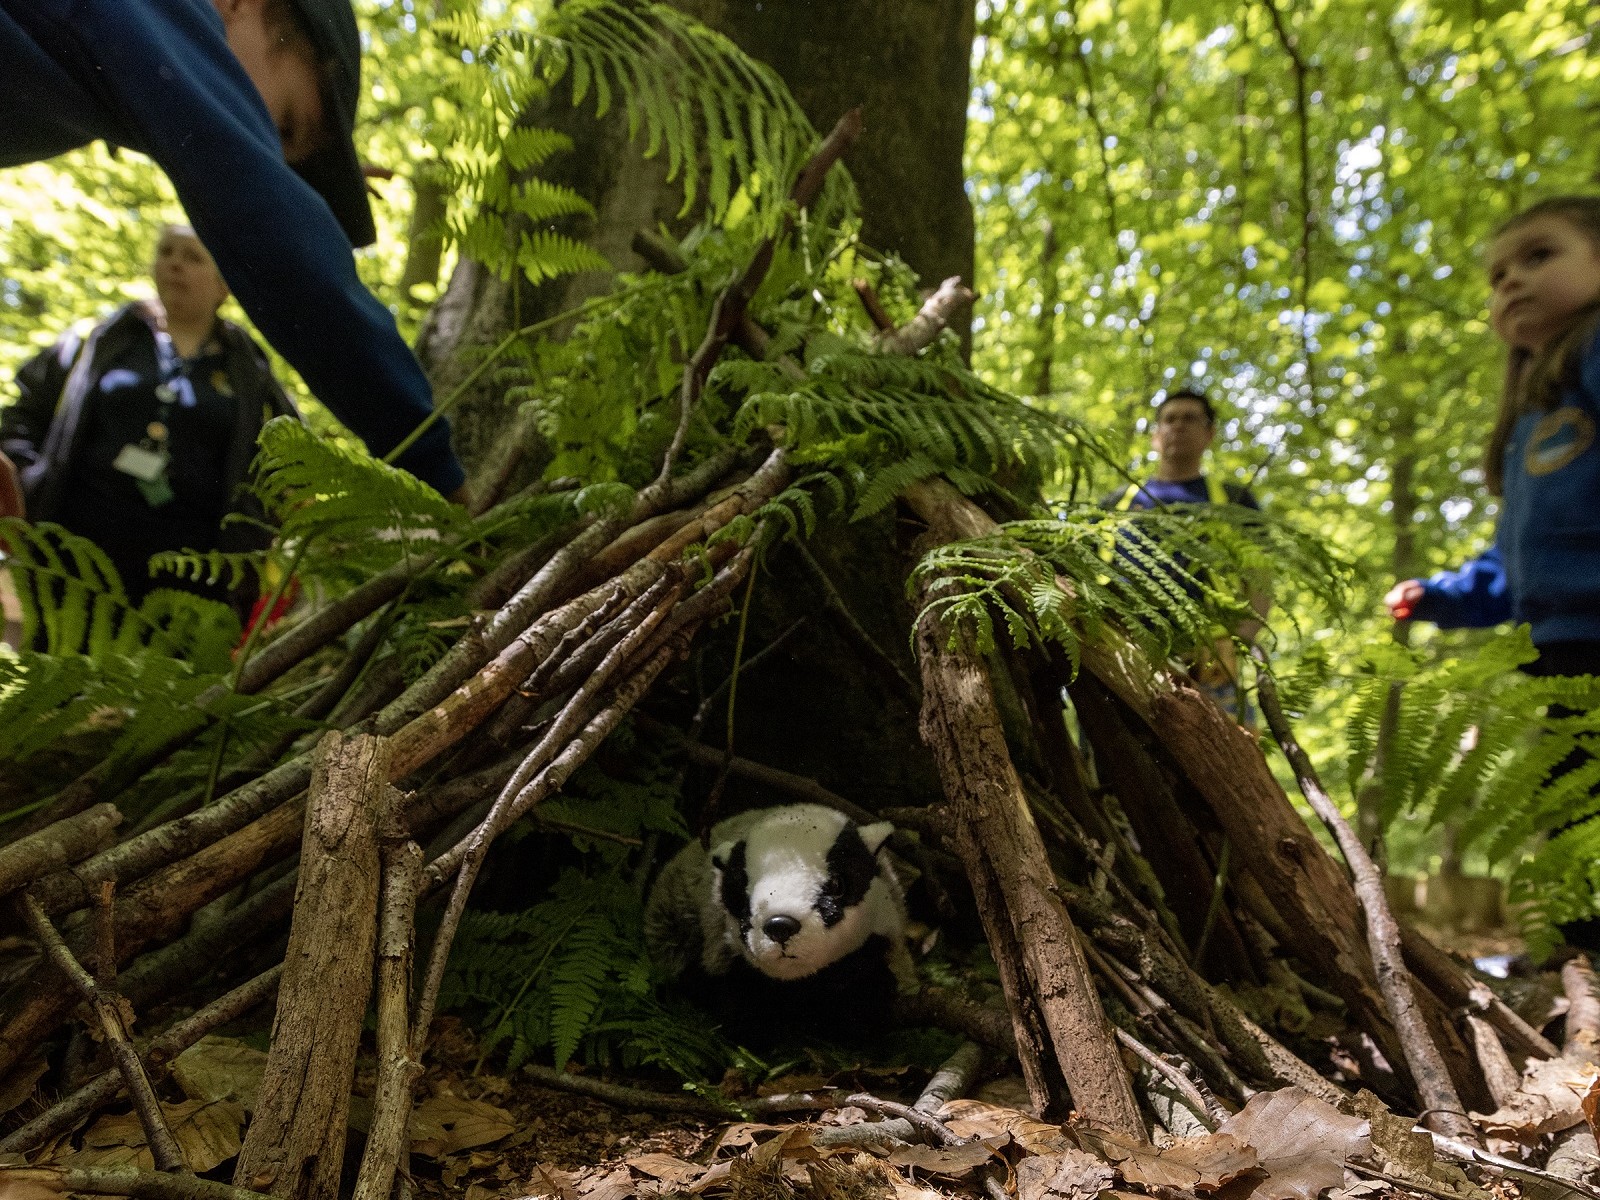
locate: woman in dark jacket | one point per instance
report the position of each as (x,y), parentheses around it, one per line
(140,434)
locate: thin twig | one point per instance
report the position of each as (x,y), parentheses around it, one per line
(1445,1112)
(925,1122)
(703,710)
(932,1127)
(856,631)
(1209,1114)
(872,305)
(467,858)
(1463,1152)
(107,1008)
(931,320)
(635,1099)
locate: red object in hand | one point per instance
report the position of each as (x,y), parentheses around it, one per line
(258,611)
(1402,611)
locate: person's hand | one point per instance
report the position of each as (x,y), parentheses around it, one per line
(11,502)
(1403,599)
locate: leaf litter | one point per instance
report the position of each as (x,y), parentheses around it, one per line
(484,1137)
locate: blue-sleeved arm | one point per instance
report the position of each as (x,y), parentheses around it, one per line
(277,243)
(1472,596)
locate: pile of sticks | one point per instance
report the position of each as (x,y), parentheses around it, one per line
(1101,872)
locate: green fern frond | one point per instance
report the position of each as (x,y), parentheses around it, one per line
(211,567)
(322,490)
(73,602)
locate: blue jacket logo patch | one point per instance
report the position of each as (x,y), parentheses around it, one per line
(1557,439)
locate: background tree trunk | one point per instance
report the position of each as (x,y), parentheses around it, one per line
(820,708)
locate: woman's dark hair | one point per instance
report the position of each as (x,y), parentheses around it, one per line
(1536,380)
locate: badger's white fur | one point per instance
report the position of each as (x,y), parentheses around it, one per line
(789,890)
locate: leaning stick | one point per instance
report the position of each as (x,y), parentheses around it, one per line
(103,1088)
(105,1003)
(398,1068)
(1444,1111)
(1209,1114)
(729,310)
(1493,1060)
(931,320)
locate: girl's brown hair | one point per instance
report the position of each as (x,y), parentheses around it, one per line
(1535,381)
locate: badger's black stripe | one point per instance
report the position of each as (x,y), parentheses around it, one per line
(851,870)
(736,886)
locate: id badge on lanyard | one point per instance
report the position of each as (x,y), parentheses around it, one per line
(147,460)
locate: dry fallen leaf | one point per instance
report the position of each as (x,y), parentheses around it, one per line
(444,1125)
(794,1142)
(30,1183)
(667,1168)
(552,1181)
(1591,1107)
(20,1083)
(949,1161)
(1194,1164)
(975,1118)
(717,1174)
(1549,1099)
(1406,1153)
(1069,1175)
(906,1189)
(219,1068)
(617,1184)
(208,1132)
(743,1133)
(1302,1142)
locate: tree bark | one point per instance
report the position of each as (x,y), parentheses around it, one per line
(1043,965)
(295,1146)
(58,845)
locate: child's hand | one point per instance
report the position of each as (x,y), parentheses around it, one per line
(1403,599)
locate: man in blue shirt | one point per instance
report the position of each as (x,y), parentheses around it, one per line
(248,106)
(1185,427)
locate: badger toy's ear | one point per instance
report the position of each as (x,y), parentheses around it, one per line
(875,835)
(720,853)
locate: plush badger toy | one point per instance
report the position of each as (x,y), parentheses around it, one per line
(794,922)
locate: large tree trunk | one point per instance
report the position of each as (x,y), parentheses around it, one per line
(905,65)
(853,725)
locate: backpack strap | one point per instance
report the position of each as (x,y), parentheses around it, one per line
(1129,495)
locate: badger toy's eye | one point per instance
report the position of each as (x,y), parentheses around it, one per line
(834,887)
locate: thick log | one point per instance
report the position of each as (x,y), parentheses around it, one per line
(1010,872)
(56,846)
(295,1146)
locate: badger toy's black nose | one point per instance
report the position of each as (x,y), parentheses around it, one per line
(780,929)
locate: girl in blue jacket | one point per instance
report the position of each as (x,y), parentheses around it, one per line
(1542,458)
